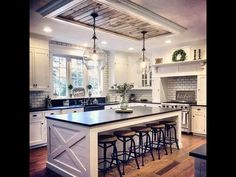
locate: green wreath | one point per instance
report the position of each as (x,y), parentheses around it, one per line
(179,52)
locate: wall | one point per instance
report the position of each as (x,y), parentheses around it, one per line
(129,74)
(180,83)
(37,99)
(167,51)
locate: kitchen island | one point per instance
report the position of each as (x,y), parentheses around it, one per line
(73,138)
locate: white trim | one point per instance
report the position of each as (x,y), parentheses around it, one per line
(58,170)
(63,8)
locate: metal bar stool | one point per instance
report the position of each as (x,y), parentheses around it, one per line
(171,136)
(158,137)
(105,142)
(126,136)
(141,132)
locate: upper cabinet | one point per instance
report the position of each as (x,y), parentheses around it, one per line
(201,90)
(123,67)
(159,89)
(39,64)
(39,69)
(118,66)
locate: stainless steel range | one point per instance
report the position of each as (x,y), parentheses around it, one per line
(183,101)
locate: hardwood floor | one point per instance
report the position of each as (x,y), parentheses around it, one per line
(177,164)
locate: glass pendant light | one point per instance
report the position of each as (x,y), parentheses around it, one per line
(144,64)
(94,57)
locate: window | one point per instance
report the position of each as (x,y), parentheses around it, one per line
(59,76)
(93,79)
(70,70)
(147,79)
(76,71)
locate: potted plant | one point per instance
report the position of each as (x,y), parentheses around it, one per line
(70,87)
(123,89)
(89,87)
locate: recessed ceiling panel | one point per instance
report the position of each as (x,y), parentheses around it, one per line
(109,20)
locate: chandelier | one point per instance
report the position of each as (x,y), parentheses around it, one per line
(94,57)
(144,64)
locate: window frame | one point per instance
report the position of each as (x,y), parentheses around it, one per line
(69,78)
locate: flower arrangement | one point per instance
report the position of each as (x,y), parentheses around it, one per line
(123,88)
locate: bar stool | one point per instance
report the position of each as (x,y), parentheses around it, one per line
(126,136)
(171,136)
(105,142)
(141,132)
(158,137)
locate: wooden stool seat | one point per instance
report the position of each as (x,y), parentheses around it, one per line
(124,133)
(106,138)
(171,123)
(156,125)
(141,129)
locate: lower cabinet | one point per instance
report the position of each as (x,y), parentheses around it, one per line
(66,111)
(199,120)
(37,135)
(48,113)
(38,125)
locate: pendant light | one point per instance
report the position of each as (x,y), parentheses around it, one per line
(94,57)
(144,65)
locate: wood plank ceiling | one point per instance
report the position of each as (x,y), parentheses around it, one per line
(110,20)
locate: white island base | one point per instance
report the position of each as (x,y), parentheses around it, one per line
(73,148)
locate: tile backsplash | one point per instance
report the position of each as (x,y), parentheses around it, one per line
(181,83)
(144,94)
(37,99)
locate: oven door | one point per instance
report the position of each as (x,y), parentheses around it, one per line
(185,121)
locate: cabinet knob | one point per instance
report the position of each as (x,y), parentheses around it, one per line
(52,113)
(42,123)
(34,115)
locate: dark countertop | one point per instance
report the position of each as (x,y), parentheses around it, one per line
(198,105)
(55,108)
(107,116)
(199,152)
(79,106)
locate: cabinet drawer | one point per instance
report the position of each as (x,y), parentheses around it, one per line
(36,115)
(65,111)
(48,113)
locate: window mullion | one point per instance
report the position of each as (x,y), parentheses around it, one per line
(68,73)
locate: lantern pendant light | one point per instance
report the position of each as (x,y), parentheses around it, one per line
(144,66)
(94,57)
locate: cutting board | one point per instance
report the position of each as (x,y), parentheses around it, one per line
(124,110)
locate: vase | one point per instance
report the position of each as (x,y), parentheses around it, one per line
(123,103)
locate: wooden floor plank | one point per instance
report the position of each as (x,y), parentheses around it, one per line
(185,168)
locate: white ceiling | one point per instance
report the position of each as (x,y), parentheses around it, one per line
(190,14)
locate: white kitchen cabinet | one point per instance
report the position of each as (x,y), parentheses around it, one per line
(159,89)
(201,90)
(117,66)
(47,113)
(39,69)
(73,110)
(37,131)
(199,120)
